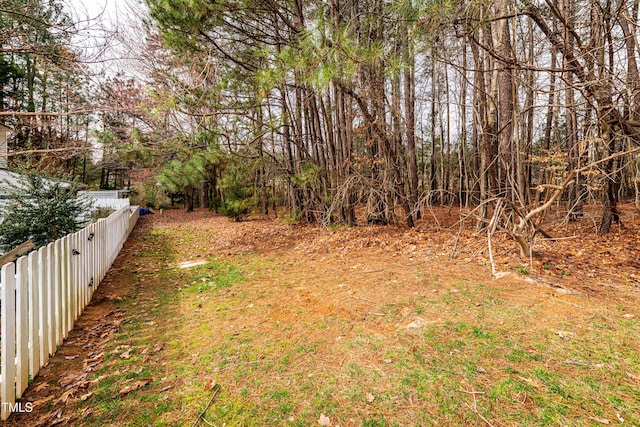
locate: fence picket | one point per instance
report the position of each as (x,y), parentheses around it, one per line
(43,304)
(51,298)
(22,326)
(8,320)
(56,315)
(64,311)
(34,316)
(92,261)
(82,258)
(76,260)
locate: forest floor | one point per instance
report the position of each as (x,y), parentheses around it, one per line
(297,325)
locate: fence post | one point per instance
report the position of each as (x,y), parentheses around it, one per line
(86,268)
(8,321)
(92,260)
(67,300)
(62,289)
(58,294)
(73,279)
(84,282)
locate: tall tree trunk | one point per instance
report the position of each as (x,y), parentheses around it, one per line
(576,202)
(524,151)
(410,120)
(506,149)
(549,126)
(462,151)
(483,129)
(433,174)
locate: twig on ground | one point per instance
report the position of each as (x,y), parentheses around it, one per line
(471,392)
(455,244)
(362,299)
(493,264)
(475,411)
(216,389)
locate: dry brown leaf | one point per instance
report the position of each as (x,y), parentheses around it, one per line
(535,383)
(324,420)
(210,384)
(633,376)
(97,380)
(40,387)
(565,335)
(66,395)
(43,401)
(600,420)
(73,380)
(133,386)
(92,362)
(58,421)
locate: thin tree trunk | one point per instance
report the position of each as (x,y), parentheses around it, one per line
(410,119)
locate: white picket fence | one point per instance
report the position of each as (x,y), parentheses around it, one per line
(114,199)
(109,203)
(44,293)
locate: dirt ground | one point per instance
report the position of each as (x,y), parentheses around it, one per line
(570,276)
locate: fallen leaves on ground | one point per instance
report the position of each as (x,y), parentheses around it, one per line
(133,386)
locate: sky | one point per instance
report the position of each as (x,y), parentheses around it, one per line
(98,21)
(103,9)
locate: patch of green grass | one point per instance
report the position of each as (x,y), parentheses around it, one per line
(521,269)
(214,275)
(479,333)
(334,227)
(375,422)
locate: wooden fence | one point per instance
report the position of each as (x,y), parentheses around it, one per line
(44,293)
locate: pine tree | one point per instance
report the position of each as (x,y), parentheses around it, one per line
(41,211)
